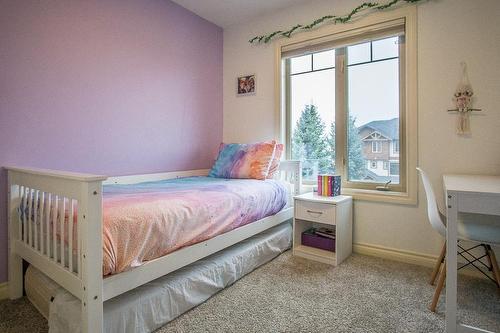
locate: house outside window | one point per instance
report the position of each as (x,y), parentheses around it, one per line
(378,137)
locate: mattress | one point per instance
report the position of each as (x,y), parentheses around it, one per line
(154,304)
(148,220)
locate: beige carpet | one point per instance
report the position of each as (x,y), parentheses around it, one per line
(289,294)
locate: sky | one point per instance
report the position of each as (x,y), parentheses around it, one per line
(373,88)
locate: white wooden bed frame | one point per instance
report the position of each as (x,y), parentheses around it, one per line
(84,278)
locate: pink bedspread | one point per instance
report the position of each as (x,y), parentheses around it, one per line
(149,220)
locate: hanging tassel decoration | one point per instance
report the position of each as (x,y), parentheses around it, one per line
(463,102)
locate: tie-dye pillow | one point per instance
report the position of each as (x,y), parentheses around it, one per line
(275,163)
(239,160)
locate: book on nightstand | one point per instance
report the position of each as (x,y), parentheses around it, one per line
(328,185)
(325,232)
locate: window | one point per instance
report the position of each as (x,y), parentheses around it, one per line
(395,147)
(311,80)
(343,103)
(342,88)
(373,100)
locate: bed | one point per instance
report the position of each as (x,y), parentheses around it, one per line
(51,212)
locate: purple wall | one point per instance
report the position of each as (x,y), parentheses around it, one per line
(106,86)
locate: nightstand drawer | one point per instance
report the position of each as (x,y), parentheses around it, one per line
(315,212)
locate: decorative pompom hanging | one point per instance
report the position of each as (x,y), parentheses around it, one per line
(463,99)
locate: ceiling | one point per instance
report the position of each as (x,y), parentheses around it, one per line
(228,12)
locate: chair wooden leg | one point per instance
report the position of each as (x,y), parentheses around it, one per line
(494,264)
(438,264)
(439,288)
(490,264)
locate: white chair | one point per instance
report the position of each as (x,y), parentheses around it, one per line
(483,229)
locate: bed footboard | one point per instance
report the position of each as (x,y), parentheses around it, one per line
(55,225)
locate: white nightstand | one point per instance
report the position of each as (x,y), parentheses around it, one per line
(312,210)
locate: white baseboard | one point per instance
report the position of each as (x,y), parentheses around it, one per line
(408,257)
(395,254)
(4,291)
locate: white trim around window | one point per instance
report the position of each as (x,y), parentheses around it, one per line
(409,115)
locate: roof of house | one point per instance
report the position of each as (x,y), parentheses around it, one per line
(388,128)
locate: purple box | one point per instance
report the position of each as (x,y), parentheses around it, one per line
(319,242)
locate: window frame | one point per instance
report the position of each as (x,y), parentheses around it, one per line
(341,78)
(407,193)
(401,187)
(287,77)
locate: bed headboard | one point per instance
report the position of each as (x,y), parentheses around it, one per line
(291,171)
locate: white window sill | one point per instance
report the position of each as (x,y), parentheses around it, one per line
(373,195)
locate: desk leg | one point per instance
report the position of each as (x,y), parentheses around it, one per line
(451,263)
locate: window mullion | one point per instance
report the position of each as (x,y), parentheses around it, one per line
(288,111)
(340,113)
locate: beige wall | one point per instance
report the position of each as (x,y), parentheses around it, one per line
(449,31)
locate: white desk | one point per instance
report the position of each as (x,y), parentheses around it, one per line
(469,194)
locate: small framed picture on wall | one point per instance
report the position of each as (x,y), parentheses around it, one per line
(246,85)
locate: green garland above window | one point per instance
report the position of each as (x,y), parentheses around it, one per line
(328,18)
